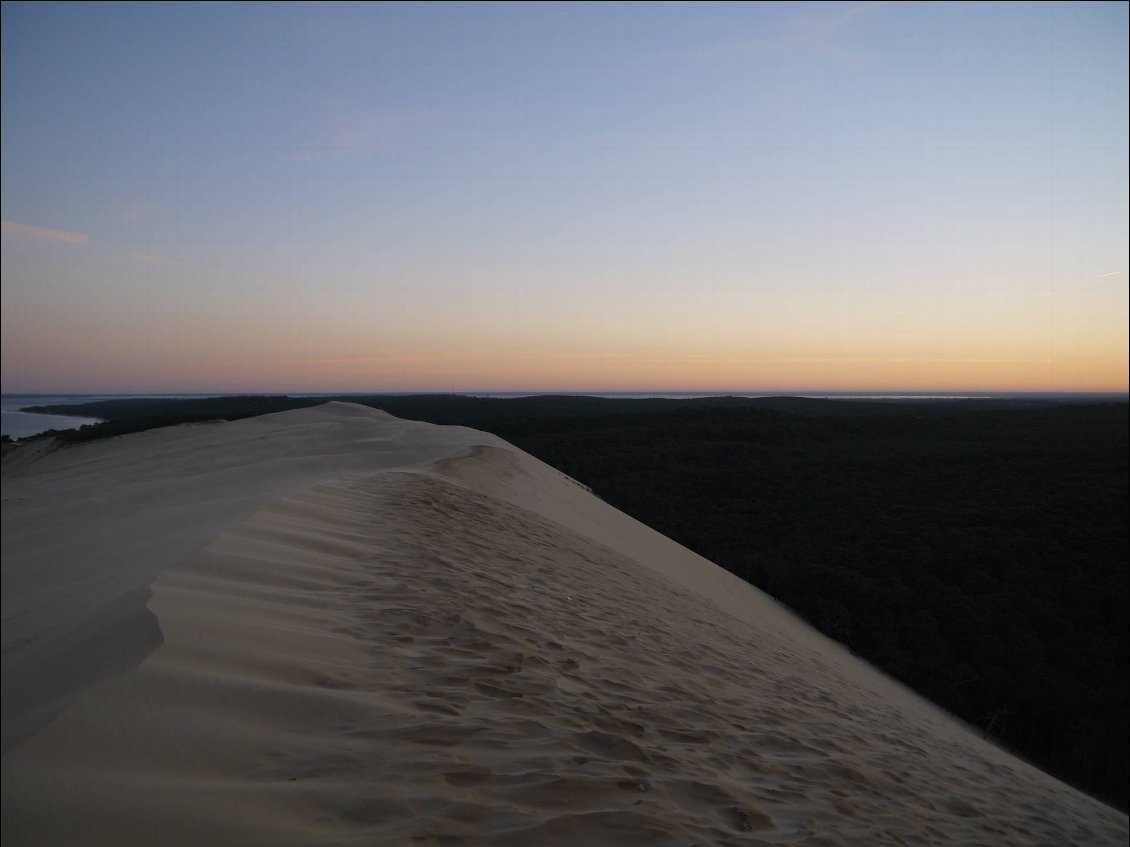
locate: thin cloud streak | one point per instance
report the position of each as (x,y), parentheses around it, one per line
(361,134)
(898,361)
(817,29)
(802,32)
(23,234)
(149,260)
(373,360)
(666,359)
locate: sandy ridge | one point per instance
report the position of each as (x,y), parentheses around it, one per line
(86,529)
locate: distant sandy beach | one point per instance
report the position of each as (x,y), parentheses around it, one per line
(332,626)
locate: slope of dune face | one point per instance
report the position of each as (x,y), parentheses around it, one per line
(87,528)
(454,643)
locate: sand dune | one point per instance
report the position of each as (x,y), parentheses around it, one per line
(334,627)
(86,529)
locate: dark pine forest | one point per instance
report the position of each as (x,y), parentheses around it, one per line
(976,551)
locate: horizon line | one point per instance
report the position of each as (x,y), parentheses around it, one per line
(755,393)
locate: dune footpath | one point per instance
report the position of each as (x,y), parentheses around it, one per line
(331,626)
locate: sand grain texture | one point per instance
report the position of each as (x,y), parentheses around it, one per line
(442,640)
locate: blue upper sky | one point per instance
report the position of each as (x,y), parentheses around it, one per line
(560,196)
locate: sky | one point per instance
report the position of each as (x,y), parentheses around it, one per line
(762,197)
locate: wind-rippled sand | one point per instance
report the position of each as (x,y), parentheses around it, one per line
(473,649)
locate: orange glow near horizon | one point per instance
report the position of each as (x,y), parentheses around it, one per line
(517,369)
(937,339)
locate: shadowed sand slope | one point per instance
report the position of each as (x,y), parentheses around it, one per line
(473,649)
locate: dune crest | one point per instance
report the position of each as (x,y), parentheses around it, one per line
(418,634)
(87,528)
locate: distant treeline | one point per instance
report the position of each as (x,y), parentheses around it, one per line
(975,550)
(135,414)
